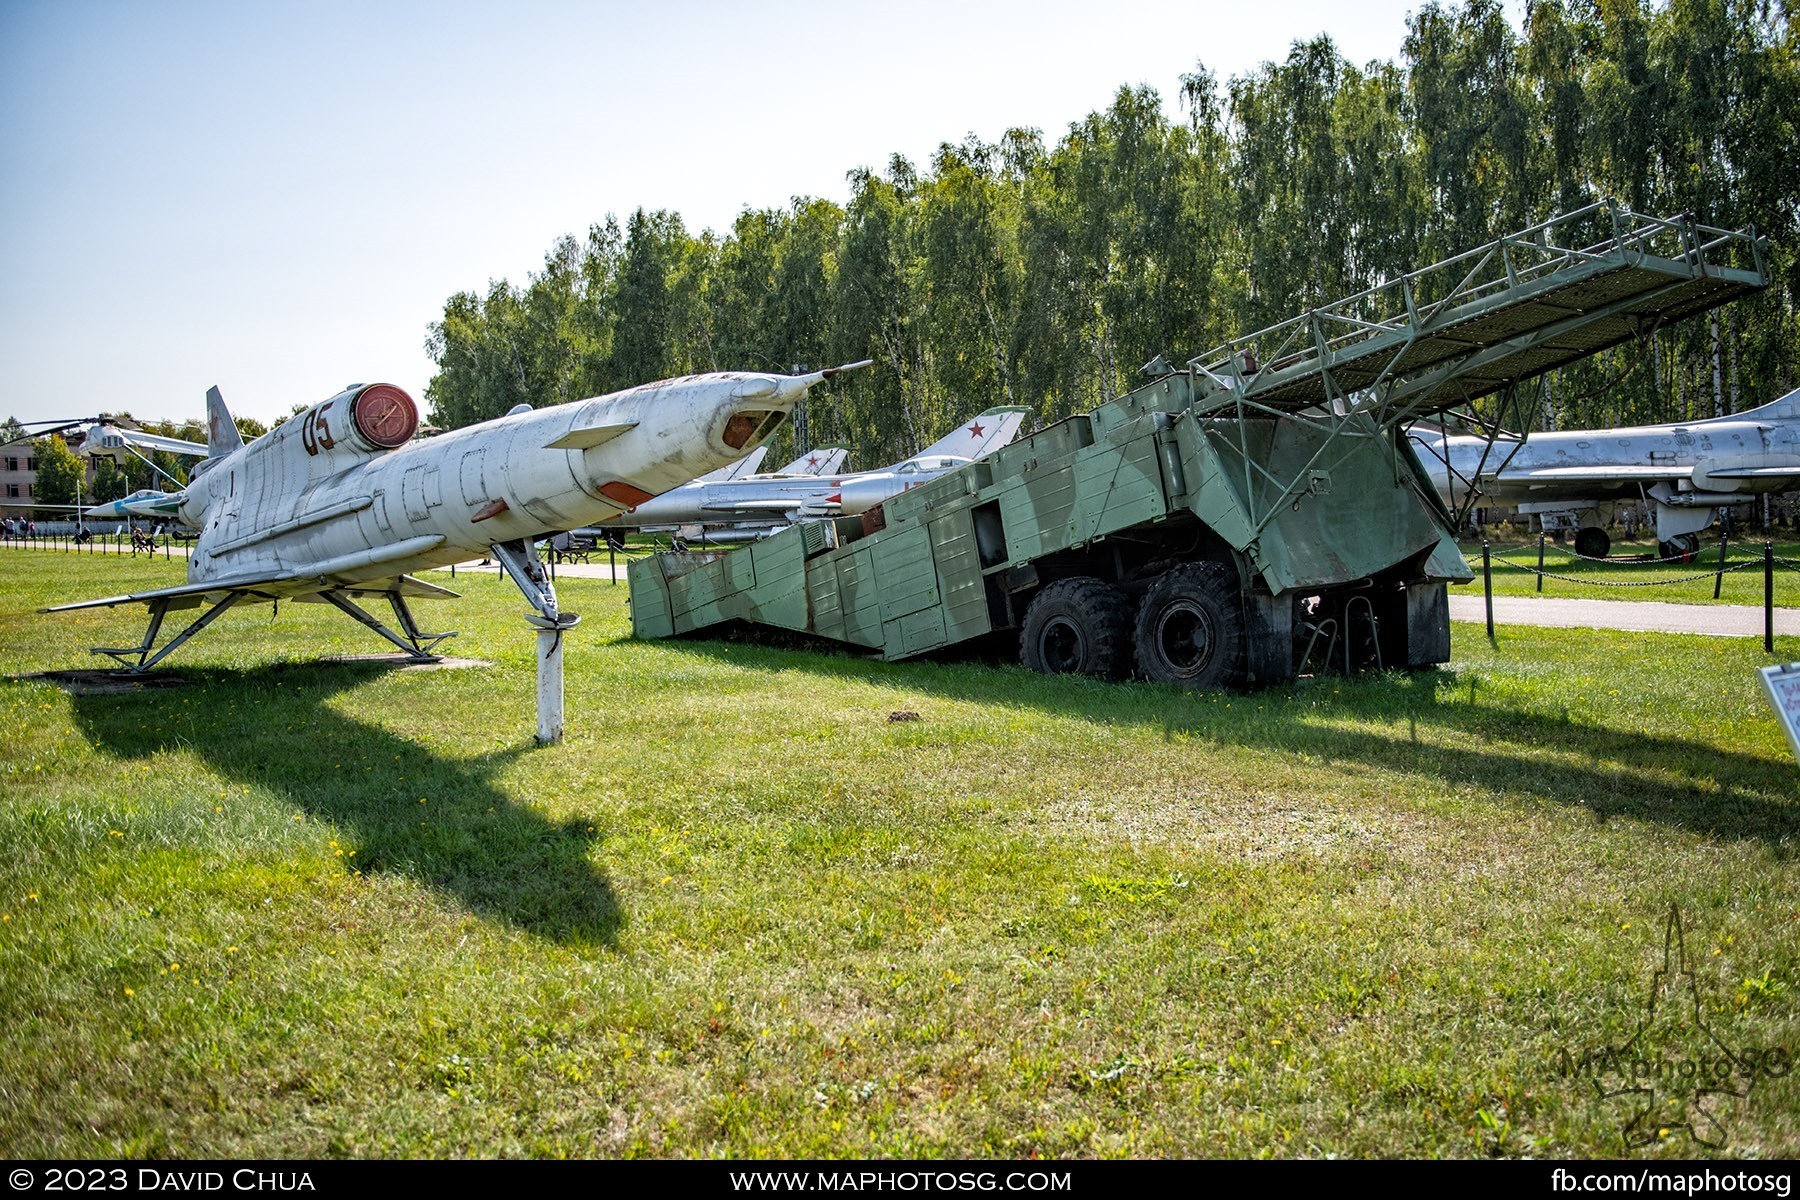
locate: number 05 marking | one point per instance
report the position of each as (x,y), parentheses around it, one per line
(315,431)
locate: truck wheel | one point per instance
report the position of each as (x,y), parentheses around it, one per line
(1078,627)
(1592,543)
(1190,629)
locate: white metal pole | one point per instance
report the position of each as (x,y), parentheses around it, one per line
(549,686)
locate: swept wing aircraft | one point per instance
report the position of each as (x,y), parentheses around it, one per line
(818,462)
(1685,470)
(744,466)
(339,502)
(145,504)
(770,502)
(150,504)
(104,440)
(826,460)
(691,497)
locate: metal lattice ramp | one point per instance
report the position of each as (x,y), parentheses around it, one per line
(1480,322)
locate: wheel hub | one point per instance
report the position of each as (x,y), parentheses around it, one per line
(1185,634)
(1062,646)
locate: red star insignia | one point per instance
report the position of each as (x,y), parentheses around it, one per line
(975,428)
(812,460)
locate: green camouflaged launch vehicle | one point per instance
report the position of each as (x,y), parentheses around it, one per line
(1253,516)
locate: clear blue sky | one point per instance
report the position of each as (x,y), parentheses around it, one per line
(278,198)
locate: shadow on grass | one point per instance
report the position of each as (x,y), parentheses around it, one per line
(1621,773)
(403,809)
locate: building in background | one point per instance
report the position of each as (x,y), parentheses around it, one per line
(18,472)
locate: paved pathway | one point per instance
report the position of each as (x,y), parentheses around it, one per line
(1720,620)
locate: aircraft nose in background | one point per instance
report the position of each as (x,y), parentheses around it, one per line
(795,386)
(772,397)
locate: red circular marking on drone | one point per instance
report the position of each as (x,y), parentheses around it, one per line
(385,415)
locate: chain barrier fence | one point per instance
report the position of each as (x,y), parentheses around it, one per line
(68,538)
(1768,560)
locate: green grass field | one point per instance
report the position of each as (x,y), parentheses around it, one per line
(300,908)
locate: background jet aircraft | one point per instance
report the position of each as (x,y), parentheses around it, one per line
(145,504)
(770,502)
(744,466)
(816,462)
(690,497)
(826,460)
(1685,470)
(339,502)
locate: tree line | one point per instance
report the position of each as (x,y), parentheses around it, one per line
(1021,272)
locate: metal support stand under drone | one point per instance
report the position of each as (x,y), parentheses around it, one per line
(415,643)
(520,560)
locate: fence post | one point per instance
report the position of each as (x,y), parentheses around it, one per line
(1487,586)
(1768,597)
(1719,578)
(1540,574)
(612,563)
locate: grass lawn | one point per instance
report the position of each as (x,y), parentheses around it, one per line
(299,909)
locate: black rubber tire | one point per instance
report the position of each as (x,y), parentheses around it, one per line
(1592,542)
(1078,627)
(1683,547)
(1190,628)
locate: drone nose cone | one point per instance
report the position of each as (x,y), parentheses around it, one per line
(793,387)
